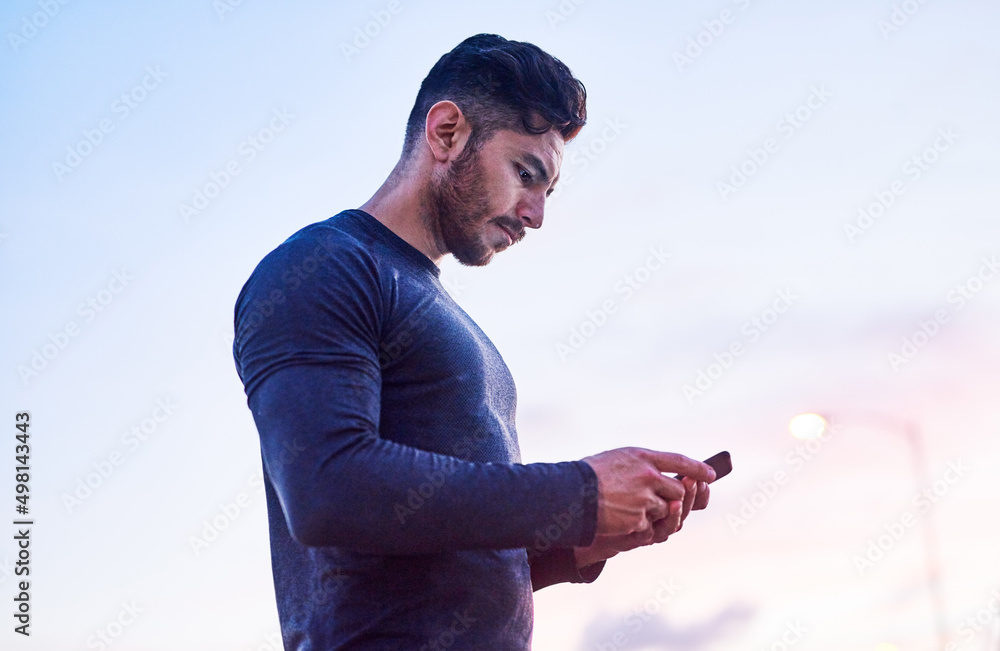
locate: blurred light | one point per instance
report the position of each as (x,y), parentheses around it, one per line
(886,646)
(808,426)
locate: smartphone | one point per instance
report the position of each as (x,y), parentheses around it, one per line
(721,463)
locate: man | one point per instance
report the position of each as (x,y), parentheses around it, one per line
(400,515)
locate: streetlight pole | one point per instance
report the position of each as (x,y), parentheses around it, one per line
(912,435)
(931,550)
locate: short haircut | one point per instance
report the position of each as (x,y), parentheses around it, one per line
(501,84)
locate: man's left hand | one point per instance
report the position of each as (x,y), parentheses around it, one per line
(604,547)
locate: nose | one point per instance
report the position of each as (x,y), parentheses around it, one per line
(532,210)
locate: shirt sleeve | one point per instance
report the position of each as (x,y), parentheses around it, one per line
(558,565)
(306,348)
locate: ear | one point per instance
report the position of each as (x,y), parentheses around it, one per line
(447,131)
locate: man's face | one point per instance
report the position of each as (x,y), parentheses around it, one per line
(487,199)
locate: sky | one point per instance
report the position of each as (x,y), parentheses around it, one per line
(775,208)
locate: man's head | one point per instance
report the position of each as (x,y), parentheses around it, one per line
(489,125)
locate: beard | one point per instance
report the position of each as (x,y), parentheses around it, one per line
(459,209)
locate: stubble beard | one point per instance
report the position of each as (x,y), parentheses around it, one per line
(458,210)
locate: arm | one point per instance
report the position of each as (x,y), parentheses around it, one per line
(560,565)
(351,489)
(313,380)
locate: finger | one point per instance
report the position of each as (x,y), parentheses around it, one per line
(637,539)
(673,462)
(618,543)
(668,488)
(658,511)
(701,501)
(676,508)
(663,529)
(690,493)
(642,526)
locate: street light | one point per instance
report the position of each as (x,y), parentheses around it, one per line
(808,426)
(812,425)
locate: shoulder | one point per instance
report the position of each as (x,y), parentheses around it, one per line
(320,254)
(321,272)
(318,287)
(322,244)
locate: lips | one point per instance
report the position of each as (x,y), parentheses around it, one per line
(512,237)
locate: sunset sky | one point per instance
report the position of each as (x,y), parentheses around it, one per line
(775,208)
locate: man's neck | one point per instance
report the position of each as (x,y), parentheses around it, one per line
(401,206)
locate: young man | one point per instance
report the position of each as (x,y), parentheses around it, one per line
(400,514)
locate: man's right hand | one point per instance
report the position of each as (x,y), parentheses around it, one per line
(632,491)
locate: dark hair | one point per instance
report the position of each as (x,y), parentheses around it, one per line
(501,84)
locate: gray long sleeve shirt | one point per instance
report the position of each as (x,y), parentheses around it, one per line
(400,514)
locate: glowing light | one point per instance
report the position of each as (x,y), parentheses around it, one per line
(808,426)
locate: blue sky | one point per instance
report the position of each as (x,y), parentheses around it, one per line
(805,156)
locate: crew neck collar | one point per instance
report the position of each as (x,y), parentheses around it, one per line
(396,241)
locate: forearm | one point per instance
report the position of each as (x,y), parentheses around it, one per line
(347,487)
(389,499)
